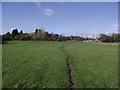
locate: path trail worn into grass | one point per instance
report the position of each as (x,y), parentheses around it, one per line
(71,76)
(73,64)
(70,72)
(94,65)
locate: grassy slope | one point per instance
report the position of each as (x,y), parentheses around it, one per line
(43,64)
(94,65)
(34,64)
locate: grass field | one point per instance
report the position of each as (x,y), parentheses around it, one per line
(31,64)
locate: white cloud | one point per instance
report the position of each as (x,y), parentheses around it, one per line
(48,12)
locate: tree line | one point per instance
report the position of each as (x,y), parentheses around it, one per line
(41,34)
(38,34)
(110,38)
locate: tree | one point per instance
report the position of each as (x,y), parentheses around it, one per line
(14,33)
(36,30)
(34,37)
(40,34)
(6,36)
(17,37)
(25,37)
(103,37)
(106,38)
(116,37)
(60,38)
(21,32)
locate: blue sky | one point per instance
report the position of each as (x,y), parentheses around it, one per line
(63,18)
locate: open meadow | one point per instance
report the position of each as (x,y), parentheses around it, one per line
(47,64)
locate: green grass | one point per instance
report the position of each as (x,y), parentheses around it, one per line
(34,64)
(43,64)
(94,65)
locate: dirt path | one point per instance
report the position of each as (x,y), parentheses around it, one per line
(71,76)
(72,84)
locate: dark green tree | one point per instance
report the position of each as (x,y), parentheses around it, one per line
(6,36)
(14,33)
(36,30)
(21,32)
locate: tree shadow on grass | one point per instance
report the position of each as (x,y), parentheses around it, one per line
(7,42)
(3,42)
